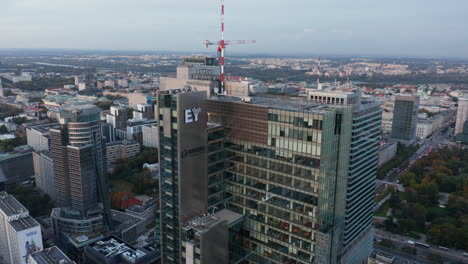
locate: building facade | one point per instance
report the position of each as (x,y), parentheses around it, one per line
(20,234)
(405,119)
(151,136)
(120,150)
(79,164)
(301,173)
(462,114)
(44,173)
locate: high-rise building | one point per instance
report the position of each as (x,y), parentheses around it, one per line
(405,119)
(182,123)
(79,164)
(462,114)
(300,173)
(143,111)
(44,173)
(20,234)
(363,162)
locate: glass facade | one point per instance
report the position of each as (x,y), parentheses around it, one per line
(292,188)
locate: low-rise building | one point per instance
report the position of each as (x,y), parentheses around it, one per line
(387,152)
(52,255)
(114,250)
(145,211)
(120,150)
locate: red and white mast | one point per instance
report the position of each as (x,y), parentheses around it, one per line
(221,49)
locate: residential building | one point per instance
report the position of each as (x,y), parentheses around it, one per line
(11,127)
(20,234)
(51,255)
(108,132)
(405,119)
(120,150)
(150,135)
(79,165)
(38,136)
(117,117)
(143,111)
(134,129)
(44,173)
(462,114)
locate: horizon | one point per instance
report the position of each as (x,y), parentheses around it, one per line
(428,29)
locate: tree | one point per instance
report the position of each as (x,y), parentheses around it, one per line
(395,202)
(3,130)
(408,178)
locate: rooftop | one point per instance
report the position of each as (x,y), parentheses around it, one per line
(17,215)
(143,207)
(52,255)
(206,222)
(297,104)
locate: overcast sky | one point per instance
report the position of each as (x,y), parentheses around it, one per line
(432,28)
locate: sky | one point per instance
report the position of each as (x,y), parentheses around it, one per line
(420,28)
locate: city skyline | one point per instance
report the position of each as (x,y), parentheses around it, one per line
(359,28)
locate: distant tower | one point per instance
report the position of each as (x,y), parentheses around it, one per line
(405,119)
(1,89)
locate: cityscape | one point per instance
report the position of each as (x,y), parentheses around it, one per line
(226,153)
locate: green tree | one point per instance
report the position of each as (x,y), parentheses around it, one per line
(3,130)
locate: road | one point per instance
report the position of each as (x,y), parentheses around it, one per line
(447,255)
(403,255)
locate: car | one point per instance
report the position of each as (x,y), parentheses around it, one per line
(410,242)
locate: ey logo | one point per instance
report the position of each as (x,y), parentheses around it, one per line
(191,115)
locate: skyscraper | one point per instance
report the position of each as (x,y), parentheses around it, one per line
(365,141)
(182,123)
(462,114)
(405,119)
(300,173)
(79,165)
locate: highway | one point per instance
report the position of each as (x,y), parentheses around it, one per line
(450,255)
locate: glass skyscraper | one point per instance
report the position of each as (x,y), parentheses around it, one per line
(299,173)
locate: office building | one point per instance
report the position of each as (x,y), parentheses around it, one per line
(20,234)
(289,167)
(462,114)
(51,255)
(79,164)
(117,117)
(424,129)
(203,74)
(120,150)
(44,173)
(150,136)
(16,166)
(405,119)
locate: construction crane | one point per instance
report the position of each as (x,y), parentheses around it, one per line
(221,48)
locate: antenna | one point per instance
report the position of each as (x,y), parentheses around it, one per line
(221,47)
(318,71)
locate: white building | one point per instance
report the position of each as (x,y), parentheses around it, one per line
(387,152)
(38,137)
(44,173)
(10,126)
(52,255)
(151,136)
(82,86)
(424,129)
(20,234)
